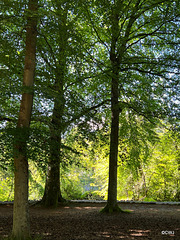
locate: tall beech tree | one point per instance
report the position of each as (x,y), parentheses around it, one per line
(52,192)
(56,61)
(69,86)
(21,228)
(135,36)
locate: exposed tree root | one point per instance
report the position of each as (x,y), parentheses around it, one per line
(113,209)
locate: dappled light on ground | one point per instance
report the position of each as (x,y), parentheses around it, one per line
(104,235)
(76,221)
(139,232)
(47,234)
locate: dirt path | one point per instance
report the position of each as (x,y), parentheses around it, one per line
(82,221)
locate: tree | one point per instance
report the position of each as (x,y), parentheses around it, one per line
(68,91)
(52,192)
(115,111)
(57,50)
(132,34)
(20,213)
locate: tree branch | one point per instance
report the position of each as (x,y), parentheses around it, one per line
(85,111)
(150,116)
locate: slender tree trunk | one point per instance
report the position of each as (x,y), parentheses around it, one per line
(20,212)
(114,140)
(118,48)
(112,205)
(52,194)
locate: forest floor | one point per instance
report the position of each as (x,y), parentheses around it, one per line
(83,221)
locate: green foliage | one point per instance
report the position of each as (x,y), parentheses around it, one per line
(36,182)
(84,170)
(6,185)
(148,161)
(163,174)
(71,188)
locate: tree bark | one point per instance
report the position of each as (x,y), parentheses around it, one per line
(112,205)
(52,194)
(21,228)
(114,140)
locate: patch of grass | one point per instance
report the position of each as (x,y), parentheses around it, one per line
(146,199)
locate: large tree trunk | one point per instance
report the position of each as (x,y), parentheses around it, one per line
(20,212)
(52,194)
(112,205)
